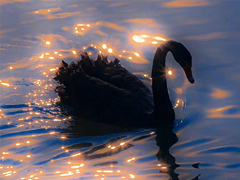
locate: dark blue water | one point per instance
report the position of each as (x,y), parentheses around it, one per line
(36,35)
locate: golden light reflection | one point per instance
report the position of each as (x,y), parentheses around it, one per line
(52,69)
(159,38)
(67,174)
(107,50)
(42,56)
(74,52)
(110,50)
(104,46)
(143,36)
(132,176)
(148,39)
(78,154)
(122,143)
(186,3)
(81,28)
(223,112)
(137,54)
(179,90)
(78,166)
(138,39)
(51,13)
(5,84)
(220,94)
(48,43)
(131,159)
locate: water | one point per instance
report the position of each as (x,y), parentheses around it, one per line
(36,35)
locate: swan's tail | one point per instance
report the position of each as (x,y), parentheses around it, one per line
(99,68)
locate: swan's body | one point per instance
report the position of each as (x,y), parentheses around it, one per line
(106,92)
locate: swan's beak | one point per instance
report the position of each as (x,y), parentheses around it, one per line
(188,72)
(191,80)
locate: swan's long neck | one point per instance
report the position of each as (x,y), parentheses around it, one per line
(163,109)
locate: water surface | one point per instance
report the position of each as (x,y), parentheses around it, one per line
(36,35)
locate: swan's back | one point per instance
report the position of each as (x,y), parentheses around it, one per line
(104,90)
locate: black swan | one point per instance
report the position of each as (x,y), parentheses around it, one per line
(106,92)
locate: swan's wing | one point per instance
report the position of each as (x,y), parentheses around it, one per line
(76,83)
(90,94)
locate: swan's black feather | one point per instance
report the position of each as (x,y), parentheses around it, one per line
(104,90)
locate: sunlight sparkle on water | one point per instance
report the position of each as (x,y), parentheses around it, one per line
(138,39)
(144,36)
(5,84)
(132,159)
(41,57)
(68,174)
(52,69)
(132,176)
(137,54)
(160,39)
(147,39)
(104,46)
(81,28)
(78,154)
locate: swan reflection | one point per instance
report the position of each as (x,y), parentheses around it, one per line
(165,139)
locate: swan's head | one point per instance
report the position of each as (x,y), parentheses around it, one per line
(183,57)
